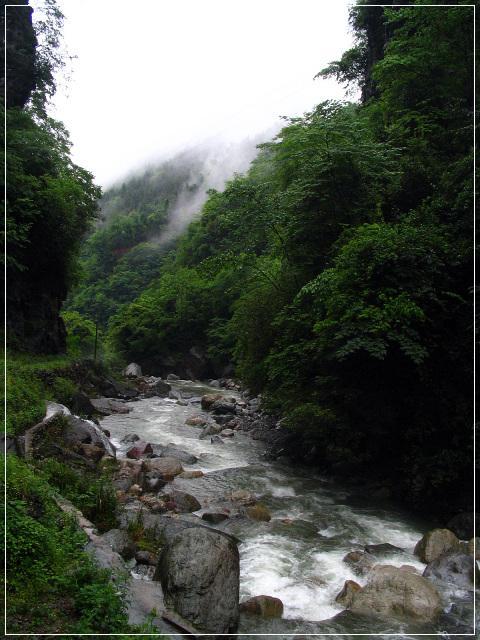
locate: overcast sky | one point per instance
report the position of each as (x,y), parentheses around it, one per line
(154,76)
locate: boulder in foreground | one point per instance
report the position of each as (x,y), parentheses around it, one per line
(200,571)
(393,593)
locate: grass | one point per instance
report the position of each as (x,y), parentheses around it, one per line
(52,584)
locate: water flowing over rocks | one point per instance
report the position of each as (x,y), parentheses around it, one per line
(292,529)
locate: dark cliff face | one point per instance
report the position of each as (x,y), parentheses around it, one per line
(33,297)
(21,43)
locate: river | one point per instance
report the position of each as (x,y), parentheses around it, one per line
(297,556)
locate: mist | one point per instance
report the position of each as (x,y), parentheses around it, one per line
(193,173)
(153,78)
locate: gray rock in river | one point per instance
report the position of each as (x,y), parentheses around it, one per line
(264,606)
(170,451)
(382,549)
(221,407)
(393,593)
(434,543)
(184,502)
(130,437)
(158,388)
(455,568)
(199,571)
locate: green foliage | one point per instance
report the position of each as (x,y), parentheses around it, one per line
(80,334)
(61,390)
(93,494)
(52,584)
(25,401)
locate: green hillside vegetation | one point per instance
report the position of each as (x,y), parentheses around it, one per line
(336,274)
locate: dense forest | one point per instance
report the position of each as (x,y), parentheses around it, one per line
(333,279)
(336,274)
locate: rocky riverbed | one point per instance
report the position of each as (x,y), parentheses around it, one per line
(296,531)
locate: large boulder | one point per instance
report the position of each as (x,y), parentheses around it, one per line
(120,542)
(133,370)
(264,606)
(434,543)
(106,406)
(455,568)
(61,434)
(199,571)
(393,593)
(113,389)
(171,451)
(221,407)
(165,468)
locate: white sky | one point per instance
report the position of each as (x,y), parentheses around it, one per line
(155,76)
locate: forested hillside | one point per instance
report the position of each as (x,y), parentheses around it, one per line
(336,274)
(140,218)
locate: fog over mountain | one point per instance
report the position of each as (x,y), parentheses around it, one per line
(181,182)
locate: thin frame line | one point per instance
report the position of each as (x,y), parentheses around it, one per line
(474,368)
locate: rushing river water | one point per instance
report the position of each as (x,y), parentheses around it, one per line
(297,556)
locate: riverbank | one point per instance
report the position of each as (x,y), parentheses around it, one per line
(190,454)
(295,527)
